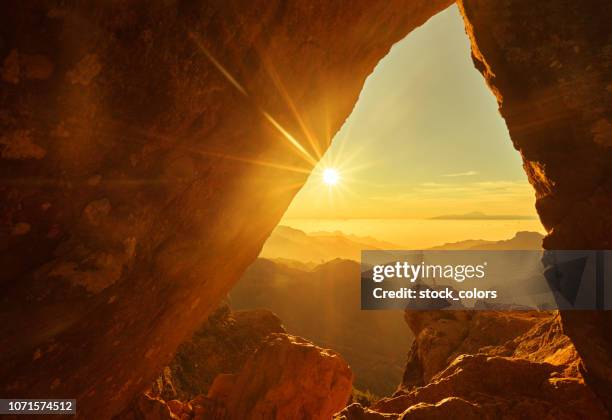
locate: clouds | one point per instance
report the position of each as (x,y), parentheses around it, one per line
(467,173)
(484,189)
(422,141)
(426,200)
(429,199)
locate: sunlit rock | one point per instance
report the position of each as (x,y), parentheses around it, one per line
(287,378)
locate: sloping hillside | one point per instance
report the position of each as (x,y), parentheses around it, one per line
(323,305)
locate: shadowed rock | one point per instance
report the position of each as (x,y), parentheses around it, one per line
(222,344)
(551,69)
(141,171)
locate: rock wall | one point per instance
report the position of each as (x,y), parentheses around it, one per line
(147,149)
(550,65)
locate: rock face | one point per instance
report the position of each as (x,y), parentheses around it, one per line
(287,378)
(147,150)
(518,365)
(148,407)
(550,67)
(551,70)
(258,373)
(482,386)
(441,336)
(221,345)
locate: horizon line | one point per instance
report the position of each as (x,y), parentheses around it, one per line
(444,217)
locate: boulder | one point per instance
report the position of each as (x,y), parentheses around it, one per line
(221,345)
(440,336)
(287,378)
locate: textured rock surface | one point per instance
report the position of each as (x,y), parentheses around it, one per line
(137,182)
(518,365)
(258,371)
(550,66)
(287,378)
(441,336)
(148,407)
(221,345)
(482,386)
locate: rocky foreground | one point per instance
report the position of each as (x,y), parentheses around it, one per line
(242,365)
(464,365)
(474,365)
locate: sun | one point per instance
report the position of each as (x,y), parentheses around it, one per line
(330,176)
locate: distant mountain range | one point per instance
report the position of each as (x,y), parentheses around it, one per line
(322,301)
(293,244)
(476,215)
(302,250)
(521,241)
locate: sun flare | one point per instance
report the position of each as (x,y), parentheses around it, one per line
(330,176)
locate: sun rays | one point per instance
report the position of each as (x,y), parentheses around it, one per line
(285,134)
(336,170)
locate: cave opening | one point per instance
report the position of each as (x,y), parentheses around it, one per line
(149,152)
(424,160)
(424,141)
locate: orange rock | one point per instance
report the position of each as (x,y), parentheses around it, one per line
(498,364)
(440,336)
(205,408)
(287,378)
(492,387)
(178,408)
(452,407)
(222,386)
(221,345)
(149,408)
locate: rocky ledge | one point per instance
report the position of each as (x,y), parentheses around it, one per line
(487,365)
(242,365)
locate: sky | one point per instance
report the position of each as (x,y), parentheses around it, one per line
(425,139)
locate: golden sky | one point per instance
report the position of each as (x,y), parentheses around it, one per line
(425,139)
